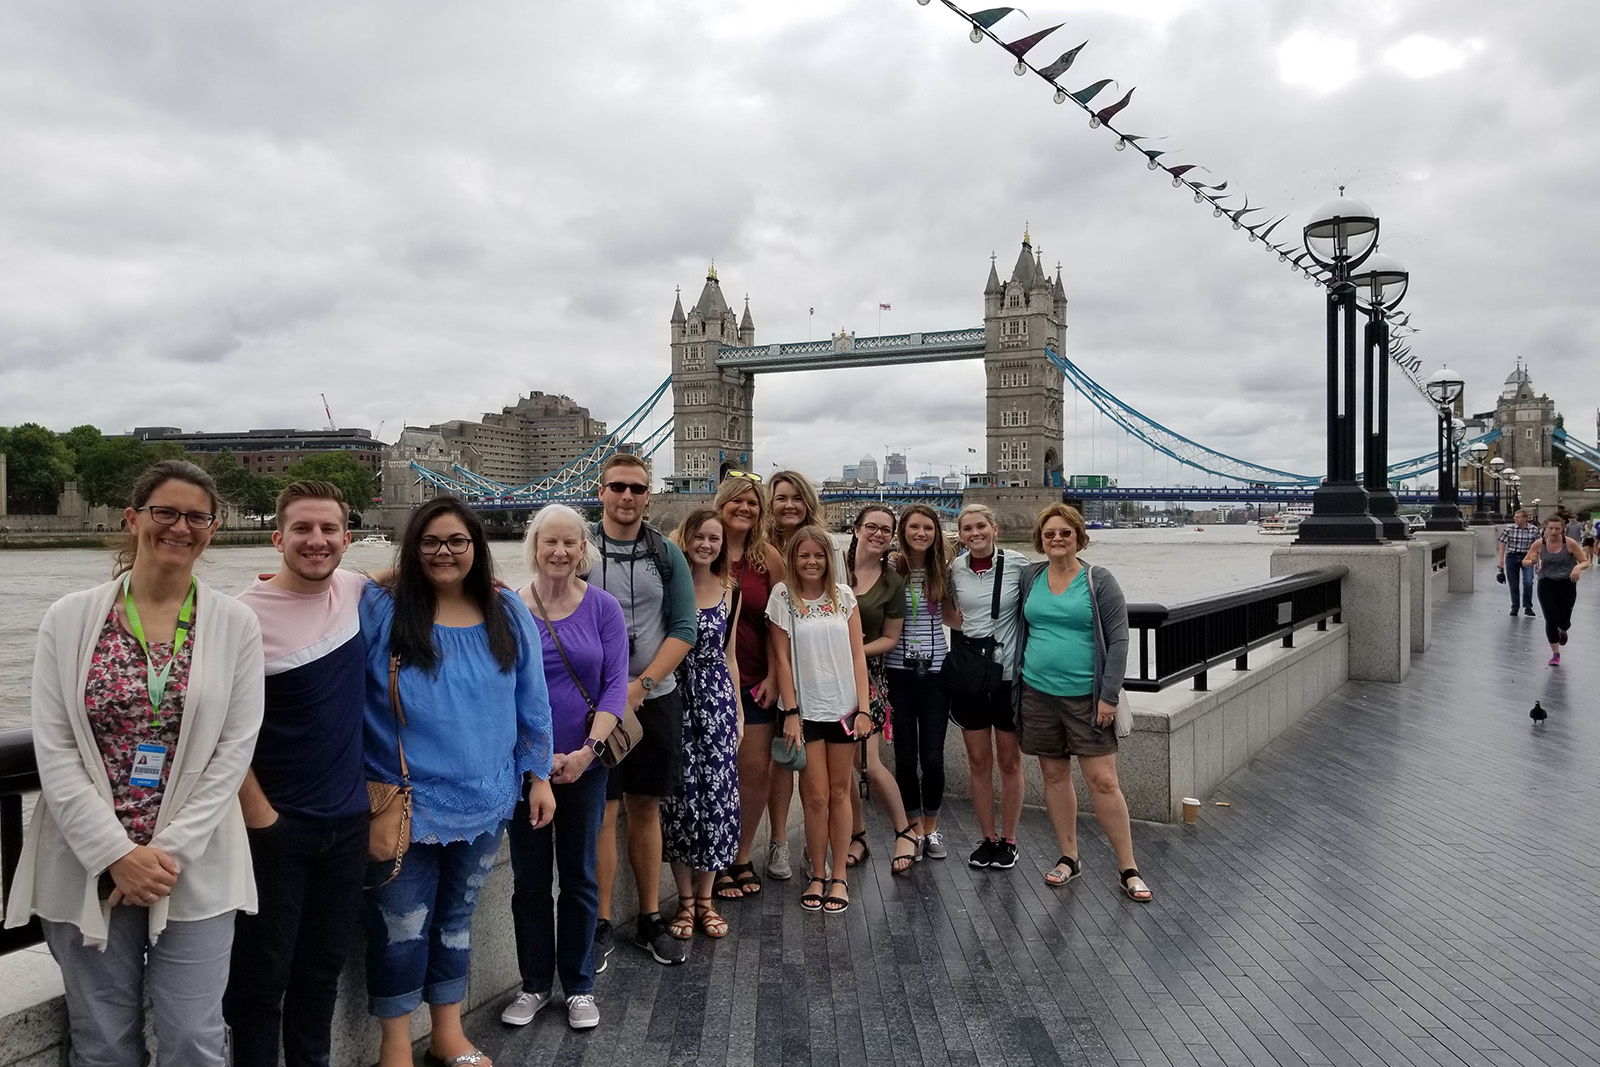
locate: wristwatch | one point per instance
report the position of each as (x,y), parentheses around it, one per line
(646,682)
(595,745)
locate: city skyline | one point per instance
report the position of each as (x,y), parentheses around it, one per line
(382,208)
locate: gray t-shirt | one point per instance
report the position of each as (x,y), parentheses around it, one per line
(653,609)
(974,593)
(1575,530)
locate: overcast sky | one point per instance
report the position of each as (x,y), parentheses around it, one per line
(211,213)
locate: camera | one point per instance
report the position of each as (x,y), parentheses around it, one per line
(921,667)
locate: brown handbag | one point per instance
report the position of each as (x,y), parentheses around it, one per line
(628,731)
(389,834)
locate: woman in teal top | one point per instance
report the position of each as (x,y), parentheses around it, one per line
(1072,651)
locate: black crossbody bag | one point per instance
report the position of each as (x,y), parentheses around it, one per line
(970,671)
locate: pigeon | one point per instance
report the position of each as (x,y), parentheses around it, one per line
(1537,714)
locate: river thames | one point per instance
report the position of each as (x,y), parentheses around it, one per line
(1160,565)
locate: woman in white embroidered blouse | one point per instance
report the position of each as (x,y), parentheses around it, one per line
(822,688)
(136,858)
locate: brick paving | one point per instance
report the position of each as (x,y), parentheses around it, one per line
(1407,876)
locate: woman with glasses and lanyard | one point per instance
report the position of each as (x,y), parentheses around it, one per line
(136,858)
(920,707)
(756,567)
(1071,655)
(474,722)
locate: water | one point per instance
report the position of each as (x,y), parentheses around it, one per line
(1160,565)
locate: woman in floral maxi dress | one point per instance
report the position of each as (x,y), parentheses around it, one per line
(700,825)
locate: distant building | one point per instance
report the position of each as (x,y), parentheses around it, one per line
(868,471)
(852,472)
(270,451)
(894,469)
(538,434)
(403,487)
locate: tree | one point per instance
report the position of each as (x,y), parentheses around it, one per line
(38,465)
(80,440)
(342,469)
(107,470)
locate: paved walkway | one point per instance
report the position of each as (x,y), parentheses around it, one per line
(1408,876)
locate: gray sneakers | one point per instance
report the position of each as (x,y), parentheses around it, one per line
(933,845)
(520,1012)
(582,1011)
(778,867)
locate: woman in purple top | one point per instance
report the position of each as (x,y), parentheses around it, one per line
(585,643)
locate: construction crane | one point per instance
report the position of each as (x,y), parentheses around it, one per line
(326,411)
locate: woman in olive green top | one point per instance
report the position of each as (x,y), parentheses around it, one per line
(881,601)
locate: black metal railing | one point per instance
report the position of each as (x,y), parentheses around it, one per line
(1439,554)
(1170,643)
(19,776)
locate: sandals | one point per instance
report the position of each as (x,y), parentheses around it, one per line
(850,858)
(1140,892)
(813,901)
(1074,868)
(712,922)
(682,924)
(903,864)
(832,904)
(431,1058)
(726,886)
(744,875)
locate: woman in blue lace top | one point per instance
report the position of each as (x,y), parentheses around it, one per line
(476,721)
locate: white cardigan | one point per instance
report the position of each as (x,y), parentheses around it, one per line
(74,834)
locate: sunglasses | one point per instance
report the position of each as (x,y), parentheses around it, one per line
(744,474)
(1057,535)
(628,487)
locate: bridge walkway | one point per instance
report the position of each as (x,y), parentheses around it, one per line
(1408,876)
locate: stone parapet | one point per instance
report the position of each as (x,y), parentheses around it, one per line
(1376,602)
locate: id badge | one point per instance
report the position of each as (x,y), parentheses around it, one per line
(148,761)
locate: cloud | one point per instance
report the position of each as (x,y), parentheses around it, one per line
(425,211)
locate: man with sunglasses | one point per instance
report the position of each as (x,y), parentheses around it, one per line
(650,579)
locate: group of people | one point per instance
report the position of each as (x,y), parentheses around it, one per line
(210,765)
(1555,552)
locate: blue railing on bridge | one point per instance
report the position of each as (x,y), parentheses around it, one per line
(848,351)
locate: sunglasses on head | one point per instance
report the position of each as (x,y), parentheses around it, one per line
(628,487)
(743,474)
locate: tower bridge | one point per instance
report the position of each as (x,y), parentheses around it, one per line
(715,360)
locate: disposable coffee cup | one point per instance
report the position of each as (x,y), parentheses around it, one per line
(1191,809)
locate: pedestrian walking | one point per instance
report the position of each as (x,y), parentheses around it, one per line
(1515,540)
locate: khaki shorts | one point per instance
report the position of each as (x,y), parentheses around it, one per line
(1059,727)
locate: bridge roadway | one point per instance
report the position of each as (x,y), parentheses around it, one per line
(1407,876)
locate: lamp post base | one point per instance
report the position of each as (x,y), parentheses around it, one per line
(1445,517)
(1339,517)
(1382,505)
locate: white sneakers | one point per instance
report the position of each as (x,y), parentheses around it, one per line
(582,1012)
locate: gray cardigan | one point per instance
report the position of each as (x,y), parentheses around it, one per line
(1110,631)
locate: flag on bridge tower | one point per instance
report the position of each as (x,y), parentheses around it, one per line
(883,307)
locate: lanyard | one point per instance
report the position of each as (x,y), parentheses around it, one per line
(156,681)
(916,609)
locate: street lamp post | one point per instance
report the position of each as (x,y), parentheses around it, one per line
(1340,236)
(1497,474)
(1514,489)
(1475,452)
(1444,388)
(1381,284)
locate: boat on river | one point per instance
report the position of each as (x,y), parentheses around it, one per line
(1285,523)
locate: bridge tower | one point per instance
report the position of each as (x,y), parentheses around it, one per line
(1022,317)
(711,406)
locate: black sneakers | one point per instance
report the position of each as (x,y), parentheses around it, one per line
(651,934)
(604,942)
(1005,855)
(983,855)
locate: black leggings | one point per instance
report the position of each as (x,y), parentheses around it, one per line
(1556,597)
(921,717)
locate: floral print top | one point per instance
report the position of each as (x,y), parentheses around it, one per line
(118,704)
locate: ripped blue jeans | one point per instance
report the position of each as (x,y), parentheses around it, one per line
(419,926)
